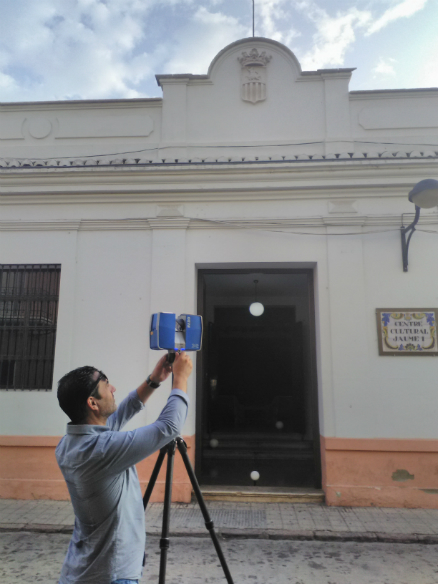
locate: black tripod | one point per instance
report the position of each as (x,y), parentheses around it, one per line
(169,449)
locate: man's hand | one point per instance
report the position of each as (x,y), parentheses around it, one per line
(182,368)
(161,371)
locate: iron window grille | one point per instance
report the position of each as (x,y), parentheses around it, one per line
(29,296)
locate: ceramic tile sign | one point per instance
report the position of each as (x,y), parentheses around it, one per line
(404,332)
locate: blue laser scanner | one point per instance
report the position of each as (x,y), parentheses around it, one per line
(172,333)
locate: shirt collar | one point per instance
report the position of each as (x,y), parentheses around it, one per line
(85,429)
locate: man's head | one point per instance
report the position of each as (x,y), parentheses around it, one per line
(85,395)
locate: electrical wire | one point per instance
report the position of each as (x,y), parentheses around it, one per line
(397,230)
(158,148)
(289,232)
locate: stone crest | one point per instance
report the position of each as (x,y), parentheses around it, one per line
(254,75)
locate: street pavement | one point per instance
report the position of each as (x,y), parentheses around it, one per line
(37,558)
(269,543)
(282,521)
(263,543)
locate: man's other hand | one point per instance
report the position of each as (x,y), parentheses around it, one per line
(182,368)
(161,371)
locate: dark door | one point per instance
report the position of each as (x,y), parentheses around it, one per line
(256,395)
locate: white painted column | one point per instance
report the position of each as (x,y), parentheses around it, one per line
(168,271)
(168,288)
(348,324)
(337,112)
(174,116)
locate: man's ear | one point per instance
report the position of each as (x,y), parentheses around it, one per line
(92,403)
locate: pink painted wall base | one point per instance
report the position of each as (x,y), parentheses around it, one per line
(28,470)
(380,472)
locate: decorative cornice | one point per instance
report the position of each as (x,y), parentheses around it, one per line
(321,74)
(182,79)
(113,224)
(393,93)
(169,223)
(174,184)
(299,223)
(81,104)
(417,152)
(347,221)
(14,225)
(292,224)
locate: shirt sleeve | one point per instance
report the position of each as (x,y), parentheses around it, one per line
(120,450)
(125,411)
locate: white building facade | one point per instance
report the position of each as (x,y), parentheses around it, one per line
(260,180)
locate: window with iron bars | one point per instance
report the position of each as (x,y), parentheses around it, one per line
(29,297)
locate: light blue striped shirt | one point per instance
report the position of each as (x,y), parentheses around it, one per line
(97,462)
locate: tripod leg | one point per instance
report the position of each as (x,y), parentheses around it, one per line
(208,521)
(154,476)
(164,541)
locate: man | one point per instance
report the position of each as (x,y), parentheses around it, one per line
(97,461)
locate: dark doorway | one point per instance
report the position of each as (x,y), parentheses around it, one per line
(256,395)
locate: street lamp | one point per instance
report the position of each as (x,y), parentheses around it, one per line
(424,195)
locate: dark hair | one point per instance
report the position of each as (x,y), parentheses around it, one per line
(74,389)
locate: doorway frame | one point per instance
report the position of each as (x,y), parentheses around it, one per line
(201,271)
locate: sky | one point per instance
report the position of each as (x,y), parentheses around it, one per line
(111,49)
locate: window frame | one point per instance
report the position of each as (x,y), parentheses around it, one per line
(29,301)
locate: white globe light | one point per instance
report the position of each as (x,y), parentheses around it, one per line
(255,475)
(257,309)
(214,443)
(279,425)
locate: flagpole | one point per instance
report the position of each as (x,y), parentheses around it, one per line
(253,18)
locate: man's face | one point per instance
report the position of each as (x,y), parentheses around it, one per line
(105,395)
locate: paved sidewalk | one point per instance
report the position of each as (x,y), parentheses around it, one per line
(248,520)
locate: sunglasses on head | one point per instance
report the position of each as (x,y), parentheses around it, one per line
(95,385)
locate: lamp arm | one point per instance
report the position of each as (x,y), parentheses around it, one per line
(405,242)
(414,222)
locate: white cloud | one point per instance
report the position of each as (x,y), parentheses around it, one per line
(76,49)
(203,16)
(385,67)
(405,9)
(272,18)
(337,34)
(334,36)
(200,41)
(7,83)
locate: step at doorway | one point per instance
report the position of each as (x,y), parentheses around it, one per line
(233,493)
